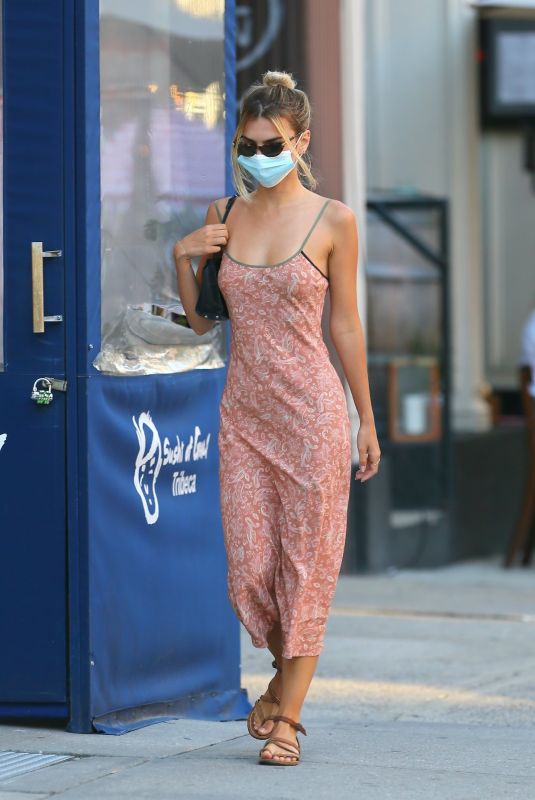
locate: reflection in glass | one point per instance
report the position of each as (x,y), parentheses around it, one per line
(404,289)
(162,163)
(403,310)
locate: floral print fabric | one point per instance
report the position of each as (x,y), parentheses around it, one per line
(284,454)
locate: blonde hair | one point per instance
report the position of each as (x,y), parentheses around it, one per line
(274,97)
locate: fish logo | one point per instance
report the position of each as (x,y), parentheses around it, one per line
(148,464)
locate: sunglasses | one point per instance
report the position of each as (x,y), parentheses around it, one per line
(270,149)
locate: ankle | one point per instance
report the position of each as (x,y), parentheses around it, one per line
(291,713)
(277,664)
(276,681)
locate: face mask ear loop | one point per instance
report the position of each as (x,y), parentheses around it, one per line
(296,152)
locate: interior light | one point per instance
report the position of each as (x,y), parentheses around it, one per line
(202,8)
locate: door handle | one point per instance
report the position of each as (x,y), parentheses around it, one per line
(38,294)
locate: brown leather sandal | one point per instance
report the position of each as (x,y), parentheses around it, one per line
(283,742)
(269,697)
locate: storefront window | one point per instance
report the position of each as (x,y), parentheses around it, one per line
(162,163)
(407,273)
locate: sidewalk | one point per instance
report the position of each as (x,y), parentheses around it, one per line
(425,689)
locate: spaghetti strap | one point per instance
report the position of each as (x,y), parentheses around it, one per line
(217,212)
(315,223)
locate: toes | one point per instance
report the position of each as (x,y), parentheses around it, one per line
(265,728)
(285,757)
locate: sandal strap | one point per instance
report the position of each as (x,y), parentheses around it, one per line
(293,745)
(267,698)
(270,696)
(292,722)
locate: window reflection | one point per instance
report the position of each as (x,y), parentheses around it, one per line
(162,163)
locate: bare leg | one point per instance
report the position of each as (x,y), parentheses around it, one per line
(266,709)
(297,674)
(275,642)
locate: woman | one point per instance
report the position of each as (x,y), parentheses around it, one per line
(284,437)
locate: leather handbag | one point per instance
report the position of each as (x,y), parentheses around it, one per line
(211,303)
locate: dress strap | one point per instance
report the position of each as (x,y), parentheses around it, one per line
(217,212)
(230,203)
(315,222)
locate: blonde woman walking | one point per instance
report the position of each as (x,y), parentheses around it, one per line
(284,436)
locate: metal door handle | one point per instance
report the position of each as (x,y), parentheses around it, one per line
(38,295)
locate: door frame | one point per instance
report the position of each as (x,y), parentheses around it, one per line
(82,233)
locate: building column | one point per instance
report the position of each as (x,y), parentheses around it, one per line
(421,108)
(352,62)
(469,409)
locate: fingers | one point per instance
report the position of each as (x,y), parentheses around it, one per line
(374,456)
(207,240)
(213,243)
(216,235)
(217,230)
(368,464)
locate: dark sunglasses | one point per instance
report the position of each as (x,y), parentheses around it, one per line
(269,149)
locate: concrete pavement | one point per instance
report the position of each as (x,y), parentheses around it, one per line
(425,689)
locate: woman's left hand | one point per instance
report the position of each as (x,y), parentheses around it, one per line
(369,452)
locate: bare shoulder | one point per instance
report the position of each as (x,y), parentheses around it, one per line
(342,224)
(340,215)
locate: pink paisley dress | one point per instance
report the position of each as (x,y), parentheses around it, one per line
(284,452)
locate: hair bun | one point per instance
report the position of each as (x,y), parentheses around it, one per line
(274,78)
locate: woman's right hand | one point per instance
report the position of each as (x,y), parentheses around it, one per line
(209,239)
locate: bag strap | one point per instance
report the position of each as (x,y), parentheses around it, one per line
(230,203)
(218,257)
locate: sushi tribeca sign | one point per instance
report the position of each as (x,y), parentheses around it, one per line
(153,455)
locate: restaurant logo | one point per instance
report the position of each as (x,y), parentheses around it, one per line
(153,454)
(148,464)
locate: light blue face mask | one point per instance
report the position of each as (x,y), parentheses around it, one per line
(268,170)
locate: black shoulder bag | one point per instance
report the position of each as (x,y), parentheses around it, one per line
(211,303)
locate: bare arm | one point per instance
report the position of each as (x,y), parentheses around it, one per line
(346,328)
(201,242)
